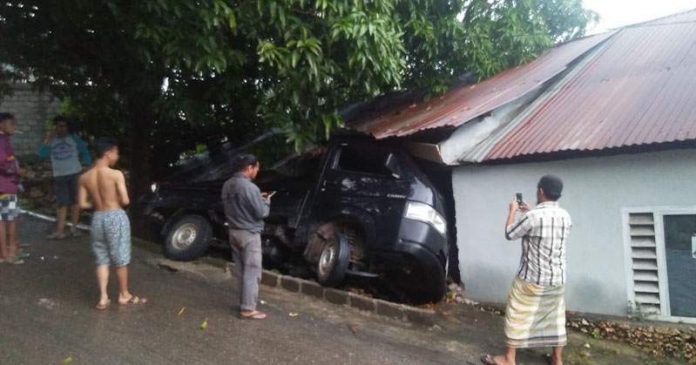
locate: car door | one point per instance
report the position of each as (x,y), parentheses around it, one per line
(361,180)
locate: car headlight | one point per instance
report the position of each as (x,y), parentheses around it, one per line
(154,187)
(426,213)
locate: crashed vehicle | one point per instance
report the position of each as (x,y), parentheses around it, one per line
(355,208)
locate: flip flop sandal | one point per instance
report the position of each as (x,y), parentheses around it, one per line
(253,315)
(488,359)
(134,300)
(103,306)
(56,237)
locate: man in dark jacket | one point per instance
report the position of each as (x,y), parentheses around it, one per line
(245,209)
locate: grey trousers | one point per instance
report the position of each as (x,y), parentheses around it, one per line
(246,253)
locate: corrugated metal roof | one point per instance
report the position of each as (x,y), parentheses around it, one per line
(463,104)
(640,88)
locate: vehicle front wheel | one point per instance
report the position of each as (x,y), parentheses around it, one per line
(188,238)
(334,260)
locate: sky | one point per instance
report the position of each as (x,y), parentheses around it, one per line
(617,13)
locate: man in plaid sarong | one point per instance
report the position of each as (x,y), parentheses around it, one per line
(535,314)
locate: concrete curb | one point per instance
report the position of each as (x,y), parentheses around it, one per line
(341,297)
(402,312)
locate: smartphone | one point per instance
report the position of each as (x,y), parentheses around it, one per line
(518,197)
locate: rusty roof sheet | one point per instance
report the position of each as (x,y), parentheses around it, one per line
(463,104)
(639,88)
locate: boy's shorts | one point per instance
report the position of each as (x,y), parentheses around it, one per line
(9,211)
(111,238)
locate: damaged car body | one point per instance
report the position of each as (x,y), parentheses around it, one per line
(355,208)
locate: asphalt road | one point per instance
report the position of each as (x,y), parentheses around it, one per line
(47,317)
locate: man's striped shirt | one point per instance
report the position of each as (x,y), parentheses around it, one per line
(544,232)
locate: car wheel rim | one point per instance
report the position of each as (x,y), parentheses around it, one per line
(184,236)
(327,260)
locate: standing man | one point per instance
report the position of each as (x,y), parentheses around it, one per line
(245,209)
(535,314)
(66,150)
(9,187)
(111,236)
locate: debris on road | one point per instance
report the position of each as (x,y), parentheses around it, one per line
(68,360)
(294,314)
(654,339)
(181,311)
(204,325)
(47,303)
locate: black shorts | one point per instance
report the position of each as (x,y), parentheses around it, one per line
(65,188)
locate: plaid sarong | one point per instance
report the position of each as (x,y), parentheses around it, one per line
(535,315)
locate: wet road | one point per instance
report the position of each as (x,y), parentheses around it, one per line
(47,317)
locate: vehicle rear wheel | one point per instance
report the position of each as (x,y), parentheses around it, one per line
(333,261)
(188,238)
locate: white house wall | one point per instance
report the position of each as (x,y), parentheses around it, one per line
(596,190)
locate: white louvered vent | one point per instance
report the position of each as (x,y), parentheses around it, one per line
(646,279)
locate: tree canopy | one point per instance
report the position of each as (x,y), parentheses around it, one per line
(168,74)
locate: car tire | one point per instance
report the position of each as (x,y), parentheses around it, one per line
(333,260)
(188,238)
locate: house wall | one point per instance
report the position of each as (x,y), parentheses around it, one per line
(31,109)
(596,190)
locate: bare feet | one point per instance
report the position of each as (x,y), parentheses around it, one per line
(252,315)
(133,299)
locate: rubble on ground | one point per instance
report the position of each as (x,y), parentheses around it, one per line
(657,340)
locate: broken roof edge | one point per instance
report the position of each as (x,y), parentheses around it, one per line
(529,103)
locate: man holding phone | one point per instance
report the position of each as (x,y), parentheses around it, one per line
(535,314)
(245,208)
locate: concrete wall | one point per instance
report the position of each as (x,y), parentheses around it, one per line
(596,190)
(31,109)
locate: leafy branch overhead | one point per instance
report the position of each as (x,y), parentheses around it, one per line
(179,71)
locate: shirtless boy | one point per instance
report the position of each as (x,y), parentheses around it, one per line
(111,236)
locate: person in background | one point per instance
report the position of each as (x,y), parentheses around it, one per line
(10,174)
(69,155)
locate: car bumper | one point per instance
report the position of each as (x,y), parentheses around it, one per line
(417,263)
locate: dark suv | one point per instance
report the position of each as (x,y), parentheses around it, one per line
(354,208)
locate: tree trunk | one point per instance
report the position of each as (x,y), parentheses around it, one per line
(139,155)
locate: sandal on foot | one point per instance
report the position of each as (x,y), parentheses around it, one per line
(488,359)
(134,299)
(103,306)
(15,261)
(56,236)
(253,315)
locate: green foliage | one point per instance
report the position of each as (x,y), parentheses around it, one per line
(171,74)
